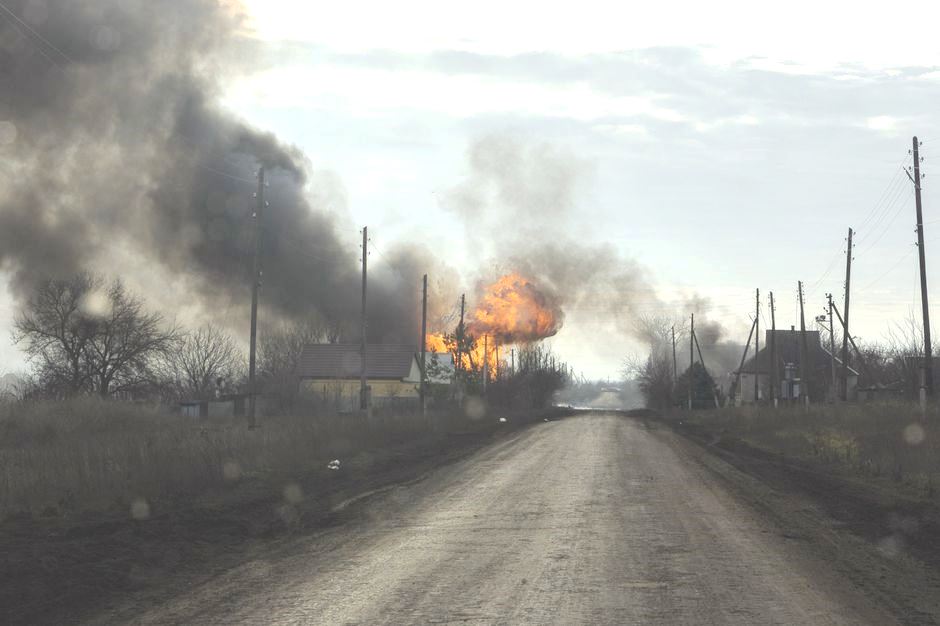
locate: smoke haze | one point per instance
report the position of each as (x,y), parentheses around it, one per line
(112,139)
(116,157)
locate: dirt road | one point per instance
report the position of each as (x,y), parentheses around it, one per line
(597,519)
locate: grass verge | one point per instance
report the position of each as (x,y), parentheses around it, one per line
(883,443)
(101,499)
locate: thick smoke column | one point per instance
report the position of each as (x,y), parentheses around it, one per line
(522,195)
(111,136)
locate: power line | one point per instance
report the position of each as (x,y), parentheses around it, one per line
(37,35)
(885,193)
(889,270)
(825,273)
(898,194)
(887,226)
(281,237)
(220,173)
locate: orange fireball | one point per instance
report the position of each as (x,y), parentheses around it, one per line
(512,310)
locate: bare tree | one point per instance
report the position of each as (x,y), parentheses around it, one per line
(125,343)
(279,355)
(84,337)
(204,361)
(654,374)
(55,329)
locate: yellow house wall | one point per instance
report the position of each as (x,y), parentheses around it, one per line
(350,387)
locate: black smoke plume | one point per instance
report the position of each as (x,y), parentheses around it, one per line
(111,136)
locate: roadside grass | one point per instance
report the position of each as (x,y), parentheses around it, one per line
(885,441)
(60,459)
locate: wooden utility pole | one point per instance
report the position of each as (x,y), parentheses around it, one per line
(832,347)
(756,346)
(804,351)
(844,387)
(255,285)
(691,357)
(363,382)
(773,352)
(424,343)
(928,353)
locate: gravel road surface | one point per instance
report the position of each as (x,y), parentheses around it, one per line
(599,519)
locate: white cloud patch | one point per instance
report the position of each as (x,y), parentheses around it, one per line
(369,92)
(885,123)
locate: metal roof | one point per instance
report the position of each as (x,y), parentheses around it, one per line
(342,360)
(788,351)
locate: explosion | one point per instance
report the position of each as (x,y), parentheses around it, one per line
(512,310)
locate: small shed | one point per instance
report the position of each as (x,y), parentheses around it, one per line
(225,405)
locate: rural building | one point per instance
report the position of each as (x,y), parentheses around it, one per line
(330,372)
(789,386)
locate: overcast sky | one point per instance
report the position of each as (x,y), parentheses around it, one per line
(723,146)
(728,146)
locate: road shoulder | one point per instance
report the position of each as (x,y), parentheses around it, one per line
(810,509)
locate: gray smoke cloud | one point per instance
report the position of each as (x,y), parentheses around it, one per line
(520,206)
(521,196)
(111,136)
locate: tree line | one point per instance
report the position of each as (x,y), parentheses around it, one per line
(86,335)
(891,365)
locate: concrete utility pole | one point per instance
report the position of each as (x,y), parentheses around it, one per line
(363,381)
(255,284)
(804,351)
(845,337)
(832,346)
(424,343)
(512,354)
(928,353)
(756,346)
(773,352)
(691,356)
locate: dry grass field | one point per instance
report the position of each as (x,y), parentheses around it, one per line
(885,442)
(93,456)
